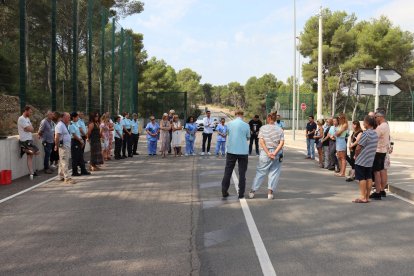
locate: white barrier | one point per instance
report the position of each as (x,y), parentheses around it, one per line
(10,156)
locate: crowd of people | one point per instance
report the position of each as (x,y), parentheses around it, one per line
(64,137)
(366,151)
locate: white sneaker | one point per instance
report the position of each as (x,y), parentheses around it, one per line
(193,154)
(186,154)
(53,167)
(202,153)
(251,194)
(31,177)
(208,153)
(270,196)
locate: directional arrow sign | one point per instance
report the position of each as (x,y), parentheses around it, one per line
(384,75)
(384,89)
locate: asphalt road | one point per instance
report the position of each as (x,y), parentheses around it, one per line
(153,216)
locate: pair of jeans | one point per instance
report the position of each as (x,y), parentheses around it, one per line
(333,160)
(221,145)
(77,157)
(48,151)
(206,137)
(118,147)
(310,143)
(254,138)
(326,156)
(127,144)
(189,146)
(152,147)
(267,166)
(231,160)
(135,139)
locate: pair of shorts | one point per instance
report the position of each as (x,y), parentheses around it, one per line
(379,162)
(26,146)
(363,173)
(340,144)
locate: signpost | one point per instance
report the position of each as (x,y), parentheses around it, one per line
(377,82)
(303,106)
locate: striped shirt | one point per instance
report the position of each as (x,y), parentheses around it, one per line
(272,135)
(368,142)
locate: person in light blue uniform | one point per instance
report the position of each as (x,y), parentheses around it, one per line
(127,141)
(153,130)
(77,145)
(280,123)
(135,133)
(118,137)
(190,135)
(221,138)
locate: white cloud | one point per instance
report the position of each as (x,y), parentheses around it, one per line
(400,12)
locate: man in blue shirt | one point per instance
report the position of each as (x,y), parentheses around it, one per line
(83,129)
(118,137)
(280,123)
(127,142)
(135,133)
(77,144)
(221,138)
(237,150)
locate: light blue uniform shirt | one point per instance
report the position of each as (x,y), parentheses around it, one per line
(74,130)
(118,128)
(82,125)
(134,126)
(126,122)
(281,124)
(223,130)
(152,128)
(238,134)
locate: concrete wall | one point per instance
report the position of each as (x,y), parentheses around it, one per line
(10,156)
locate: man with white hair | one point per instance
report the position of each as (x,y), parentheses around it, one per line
(63,143)
(46,135)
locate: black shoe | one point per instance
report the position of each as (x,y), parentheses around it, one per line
(331,169)
(350,179)
(130,156)
(136,153)
(117,158)
(241,196)
(35,174)
(86,173)
(76,174)
(123,157)
(383,194)
(376,196)
(226,195)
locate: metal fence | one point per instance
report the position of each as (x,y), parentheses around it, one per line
(157,103)
(69,55)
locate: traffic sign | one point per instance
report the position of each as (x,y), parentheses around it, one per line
(303,106)
(384,89)
(384,75)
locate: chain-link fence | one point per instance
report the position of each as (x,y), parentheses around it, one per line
(67,56)
(158,103)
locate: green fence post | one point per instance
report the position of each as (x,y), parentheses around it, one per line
(75,56)
(113,69)
(22,61)
(130,88)
(121,73)
(185,106)
(53,57)
(89,55)
(102,90)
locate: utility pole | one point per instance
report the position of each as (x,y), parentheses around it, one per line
(319,103)
(22,61)
(53,57)
(294,70)
(298,100)
(377,83)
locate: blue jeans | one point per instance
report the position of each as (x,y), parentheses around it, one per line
(189,146)
(152,147)
(310,143)
(48,151)
(221,145)
(267,166)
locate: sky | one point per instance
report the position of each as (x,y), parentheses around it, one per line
(233,40)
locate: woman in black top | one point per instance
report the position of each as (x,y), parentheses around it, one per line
(356,135)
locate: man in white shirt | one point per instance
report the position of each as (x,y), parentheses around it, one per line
(63,143)
(208,124)
(25,128)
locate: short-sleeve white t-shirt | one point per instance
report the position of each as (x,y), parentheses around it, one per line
(22,123)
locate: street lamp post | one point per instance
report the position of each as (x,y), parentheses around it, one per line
(319,103)
(294,69)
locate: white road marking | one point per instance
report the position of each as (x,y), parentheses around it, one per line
(261,252)
(31,188)
(28,189)
(401,198)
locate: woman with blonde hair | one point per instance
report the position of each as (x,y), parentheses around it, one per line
(341,146)
(165,127)
(105,137)
(176,135)
(319,134)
